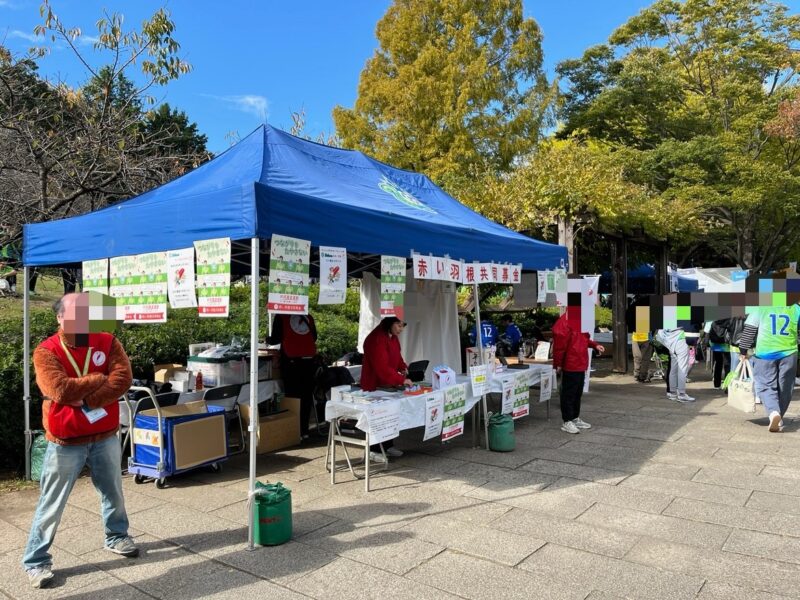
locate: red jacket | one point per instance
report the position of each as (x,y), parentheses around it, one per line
(570,347)
(383,365)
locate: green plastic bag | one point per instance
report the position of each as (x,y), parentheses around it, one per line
(38,448)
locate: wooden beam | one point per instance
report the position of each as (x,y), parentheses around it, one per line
(619,291)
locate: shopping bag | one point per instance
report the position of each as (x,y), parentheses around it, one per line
(741,395)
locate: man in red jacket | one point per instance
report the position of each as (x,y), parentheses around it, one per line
(81,376)
(571,360)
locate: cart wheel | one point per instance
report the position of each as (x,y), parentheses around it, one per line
(216,467)
(138,479)
(161,483)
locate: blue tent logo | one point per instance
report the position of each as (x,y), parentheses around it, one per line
(403,196)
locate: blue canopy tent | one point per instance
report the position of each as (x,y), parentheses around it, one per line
(274,183)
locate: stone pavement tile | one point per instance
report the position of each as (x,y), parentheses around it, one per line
(596,438)
(376,508)
(510,460)
(662,435)
(381,546)
(180,524)
(781,503)
(612,575)
(723,591)
(345,578)
(107,587)
(564,469)
(509,492)
(770,470)
(718,566)
(668,471)
(11,537)
(280,564)
(688,489)
(558,454)
(135,501)
(457,508)
(624,497)
(734,516)
(567,532)
(192,494)
(482,541)
(71,575)
(477,579)
(73,516)
(82,540)
(303,492)
(595,595)
(765,545)
(634,522)
(744,481)
(761,459)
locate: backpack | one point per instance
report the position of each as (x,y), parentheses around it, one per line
(735,331)
(719,332)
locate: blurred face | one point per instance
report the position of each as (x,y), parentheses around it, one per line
(82,314)
(397,328)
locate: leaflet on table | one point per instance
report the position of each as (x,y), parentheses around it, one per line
(393,285)
(383,421)
(479,379)
(288,275)
(332,275)
(213,277)
(95,275)
(507,405)
(455,399)
(180,278)
(434,415)
(521,395)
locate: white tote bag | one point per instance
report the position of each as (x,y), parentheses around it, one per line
(741,394)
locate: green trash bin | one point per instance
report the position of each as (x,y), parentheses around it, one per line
(501,433)
(38,448)
(273,514)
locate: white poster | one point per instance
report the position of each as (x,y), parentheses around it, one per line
(213,277)
(288,275)
(180,282)
(332,275)
(485,273)
(150,306)
(434,415)
(542,351)
(471,273)
(124,285)
(455,271)
(440,268)
(479,379)
(94,274)
(384,421)
(393,285)
(521,397)
(455,399)
(541,288)
(546,387)
(515,274)
(507,405)
(422,266)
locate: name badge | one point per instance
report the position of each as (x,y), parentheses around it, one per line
(95,415)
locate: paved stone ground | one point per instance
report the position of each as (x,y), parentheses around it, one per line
(658,500)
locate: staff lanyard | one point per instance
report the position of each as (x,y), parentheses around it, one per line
(75,364)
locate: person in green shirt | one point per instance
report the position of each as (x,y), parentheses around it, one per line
(772,333)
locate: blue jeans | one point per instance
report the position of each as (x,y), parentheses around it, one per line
(60,470)
(774,382)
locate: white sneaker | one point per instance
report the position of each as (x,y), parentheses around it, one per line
(671,396)
(40,577)
(774,421)
(393,452)
(581,424)
(377,457)
(570,427)
(684,398)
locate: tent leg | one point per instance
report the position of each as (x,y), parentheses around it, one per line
(479,339)
(254,305)
(26,368)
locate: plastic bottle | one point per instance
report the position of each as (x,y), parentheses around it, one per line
(520,355)
(198,381)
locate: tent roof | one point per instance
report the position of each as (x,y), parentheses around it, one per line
(273,182)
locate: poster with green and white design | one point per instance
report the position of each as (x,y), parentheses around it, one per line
(213,277)
(150,304)
(94,274)
(393,285)
(124,285)
(455,399)
(288,275)
(521,396)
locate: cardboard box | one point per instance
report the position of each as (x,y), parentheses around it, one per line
(278,431)
(163,373)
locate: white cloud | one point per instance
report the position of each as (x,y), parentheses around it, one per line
(87,40)
(16,33)
(248,103)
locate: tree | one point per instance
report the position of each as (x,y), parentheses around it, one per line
(455,88)
(688,90)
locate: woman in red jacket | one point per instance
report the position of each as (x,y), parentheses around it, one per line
(383,366)
(571,359)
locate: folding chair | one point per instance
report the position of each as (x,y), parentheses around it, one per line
(227,397)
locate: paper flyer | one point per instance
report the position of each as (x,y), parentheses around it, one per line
(546,387)
(124,284)
(288,275)
(507,405)
(434,415)
(332,275)
(479,379)
(150,306)
(383,419)
(95,276)
(181,279)
(213,277)
(455,398)
(521,395)
(393,285)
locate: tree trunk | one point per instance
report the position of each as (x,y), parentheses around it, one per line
(566,237)
(619,291)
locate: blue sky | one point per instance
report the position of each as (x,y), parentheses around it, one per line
(255,60)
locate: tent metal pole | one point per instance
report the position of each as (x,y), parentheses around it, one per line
(253,427)
(479,339)
(26,368)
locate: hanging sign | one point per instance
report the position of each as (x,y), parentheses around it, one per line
(515,274)
(434,415)
(332,275)
(455,399)
(455,271)
(124,284)
(181,279)
(288,275)
(507,405)
(393,285)
(213,277)
(151,304)
(471,272)
(485,273)
(95,275)
(521,397)
(479,379)
(546,386)
(541,289)
(422,266)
